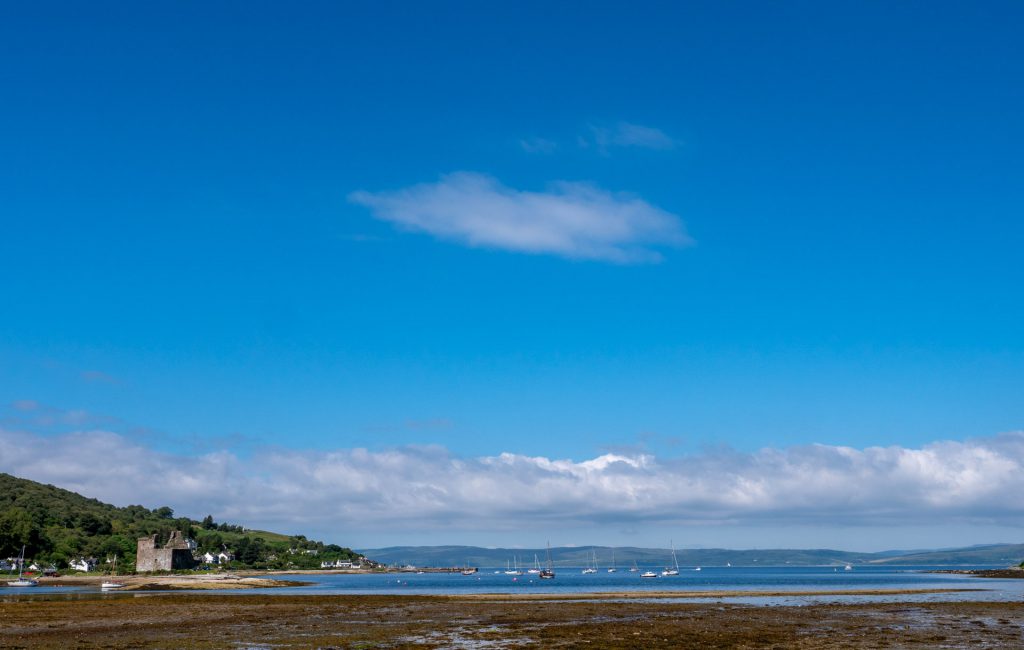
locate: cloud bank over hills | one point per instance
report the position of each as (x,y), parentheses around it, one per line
(430,489)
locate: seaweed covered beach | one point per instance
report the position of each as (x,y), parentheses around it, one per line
(176,620)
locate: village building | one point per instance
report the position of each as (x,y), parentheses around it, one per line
(83,564)
(340,564)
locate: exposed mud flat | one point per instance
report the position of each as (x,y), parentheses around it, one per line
(286,621)
(172,582)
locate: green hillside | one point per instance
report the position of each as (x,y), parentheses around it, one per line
(57,526)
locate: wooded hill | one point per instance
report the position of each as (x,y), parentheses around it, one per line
(57,526)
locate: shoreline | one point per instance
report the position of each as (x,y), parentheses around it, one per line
(703,594)
(1012,573)
(256,579)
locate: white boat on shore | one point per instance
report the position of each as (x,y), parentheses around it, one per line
(112,582)
(22,581)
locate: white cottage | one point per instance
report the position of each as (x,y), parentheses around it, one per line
(83,564)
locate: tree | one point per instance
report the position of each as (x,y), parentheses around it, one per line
(252,553)
(208,523)
(94,525)
(164,512)
(16,530)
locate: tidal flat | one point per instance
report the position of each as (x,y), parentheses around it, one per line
(175,620)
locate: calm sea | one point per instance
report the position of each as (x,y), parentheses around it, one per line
(569,581)
(725,579)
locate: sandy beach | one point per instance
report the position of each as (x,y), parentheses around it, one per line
(148,620)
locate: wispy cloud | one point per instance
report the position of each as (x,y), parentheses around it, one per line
(98,377)
(573,220)
(33,413)
(538,145)
(422,489)
(625,134)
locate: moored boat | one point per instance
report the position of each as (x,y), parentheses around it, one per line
(674,569)
(536,565)
(22,581)
(548,573)
(112,582)
(591,564)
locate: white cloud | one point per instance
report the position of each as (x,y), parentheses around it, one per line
(625,134)
(424,489)
(573,220)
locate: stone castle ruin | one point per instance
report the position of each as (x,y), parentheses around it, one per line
(175,554)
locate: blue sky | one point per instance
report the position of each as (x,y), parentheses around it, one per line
(526,228)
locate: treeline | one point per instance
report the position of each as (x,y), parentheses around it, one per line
(57,526)
(267,550)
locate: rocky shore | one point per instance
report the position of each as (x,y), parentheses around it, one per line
(1014,573)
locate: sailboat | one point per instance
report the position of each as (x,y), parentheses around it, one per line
(612,568)
(112,583)
(22,581)
(674,569)
(634,568)
(536,565)
(591,567)
(548,573)
(514,571)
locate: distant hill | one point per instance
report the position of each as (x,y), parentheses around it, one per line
(57,526)
(1001,554)
(575,556)
(624,556)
